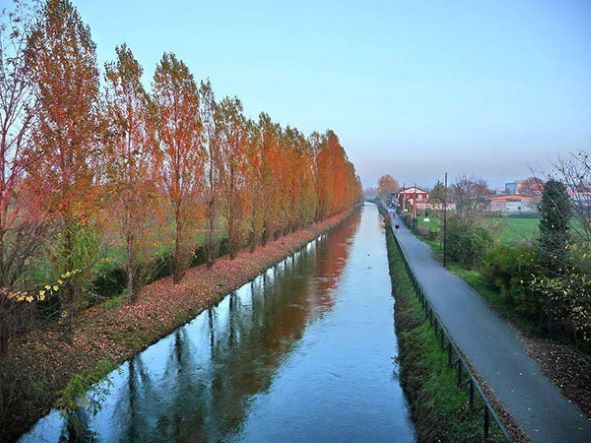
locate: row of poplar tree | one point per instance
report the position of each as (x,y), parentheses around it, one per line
(163,168)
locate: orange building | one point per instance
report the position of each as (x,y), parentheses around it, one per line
(412,199)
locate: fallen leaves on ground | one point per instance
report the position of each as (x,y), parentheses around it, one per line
(119,333)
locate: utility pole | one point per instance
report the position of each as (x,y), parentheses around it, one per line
(445,224)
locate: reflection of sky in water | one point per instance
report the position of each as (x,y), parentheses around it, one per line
(213,378)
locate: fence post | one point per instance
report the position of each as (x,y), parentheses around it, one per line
(449,353)
(486,425)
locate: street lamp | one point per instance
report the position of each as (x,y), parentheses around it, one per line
(444,201)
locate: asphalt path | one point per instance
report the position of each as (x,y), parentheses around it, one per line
(495,350)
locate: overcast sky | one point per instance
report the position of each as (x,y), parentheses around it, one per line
(413,88)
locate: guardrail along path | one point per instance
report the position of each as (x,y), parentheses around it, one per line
(495,350)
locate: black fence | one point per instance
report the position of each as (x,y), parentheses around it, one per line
(492,427)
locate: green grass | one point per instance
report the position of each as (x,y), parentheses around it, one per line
(433,221)
(509,230)
(513,229)
(440,409)
(113,303)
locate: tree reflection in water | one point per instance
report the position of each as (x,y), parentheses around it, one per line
(197,384)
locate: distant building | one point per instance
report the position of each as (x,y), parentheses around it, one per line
(412,199)
(521,187)
(511,188)
(512,204)
(581,198)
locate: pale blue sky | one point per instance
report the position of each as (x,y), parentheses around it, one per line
(413,88)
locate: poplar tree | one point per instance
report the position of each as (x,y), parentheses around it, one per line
(271,194)
(129,153)
(62,60)
(232,139)
(255,182)
(182,156)
(207,115)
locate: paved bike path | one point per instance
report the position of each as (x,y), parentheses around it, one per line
(495,350)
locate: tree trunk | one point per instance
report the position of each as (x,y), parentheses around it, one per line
(3,264)
(69,299)
(264,236)
(232,236)
(130,264)
(211,253)
(177,271)
(254,228)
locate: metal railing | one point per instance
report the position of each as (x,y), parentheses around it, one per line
(492,427)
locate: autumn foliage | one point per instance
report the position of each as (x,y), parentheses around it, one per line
(387,185)
(103,176)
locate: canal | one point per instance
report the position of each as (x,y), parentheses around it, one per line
(304,352)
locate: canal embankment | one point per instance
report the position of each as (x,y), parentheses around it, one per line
(439,408)
(44,370)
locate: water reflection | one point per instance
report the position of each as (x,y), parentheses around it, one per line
(198,383)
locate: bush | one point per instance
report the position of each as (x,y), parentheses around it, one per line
(110,283)
(467,243)
(510,269)
(113,303)
(161,267)
(200,256)
(423,230)
(224,247)
(499,267)
(433,233)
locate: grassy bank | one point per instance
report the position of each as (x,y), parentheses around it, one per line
(41,368)
(440,409)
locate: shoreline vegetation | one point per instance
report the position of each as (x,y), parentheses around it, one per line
(439,408)
(45,370)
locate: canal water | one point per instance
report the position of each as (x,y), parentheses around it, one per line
(304,353)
